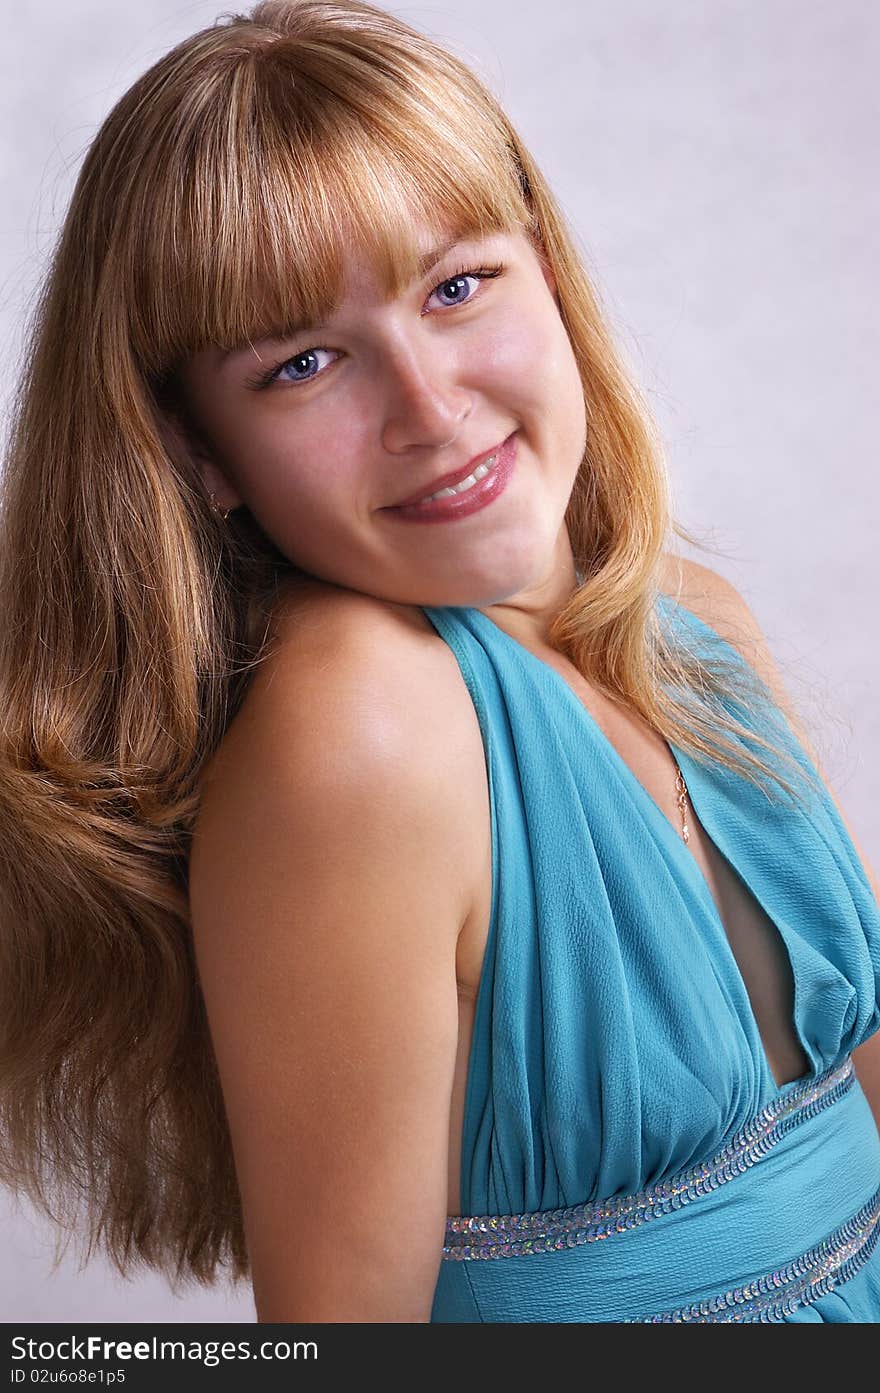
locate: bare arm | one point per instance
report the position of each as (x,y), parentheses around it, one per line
(721,606)
(326,923)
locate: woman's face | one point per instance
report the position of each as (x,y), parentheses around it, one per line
(378,404)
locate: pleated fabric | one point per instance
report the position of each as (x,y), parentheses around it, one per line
(614,1044)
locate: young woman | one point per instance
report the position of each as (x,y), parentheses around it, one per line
(415,893)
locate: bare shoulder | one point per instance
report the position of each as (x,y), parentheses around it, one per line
(358,699)
(712,598)
(370,678)
(718,603)
(715,600)
(326,922)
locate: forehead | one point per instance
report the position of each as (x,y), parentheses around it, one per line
(365,274)
(363,281)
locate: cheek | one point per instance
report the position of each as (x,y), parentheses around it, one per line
(282,459)
(530,357)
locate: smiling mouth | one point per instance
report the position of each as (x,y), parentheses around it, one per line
(458,481)
(479,473)
(485,482)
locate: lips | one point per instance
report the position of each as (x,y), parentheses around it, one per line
(446,481)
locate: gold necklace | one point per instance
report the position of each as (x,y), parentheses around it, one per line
(680,785)
(681,788)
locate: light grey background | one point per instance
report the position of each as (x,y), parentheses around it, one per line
(718,161)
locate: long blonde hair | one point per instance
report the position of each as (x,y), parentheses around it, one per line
(212,203)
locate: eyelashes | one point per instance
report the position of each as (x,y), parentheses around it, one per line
(480,273)
(265,378)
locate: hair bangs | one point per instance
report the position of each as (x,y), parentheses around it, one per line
(273,202)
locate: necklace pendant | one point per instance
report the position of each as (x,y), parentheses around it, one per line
(681,786)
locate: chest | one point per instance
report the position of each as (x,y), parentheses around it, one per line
(754,941)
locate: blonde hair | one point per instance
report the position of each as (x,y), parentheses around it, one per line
(217,199)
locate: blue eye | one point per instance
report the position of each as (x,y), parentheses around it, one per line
(300,362)
(464,275)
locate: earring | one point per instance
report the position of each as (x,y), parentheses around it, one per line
(217,509)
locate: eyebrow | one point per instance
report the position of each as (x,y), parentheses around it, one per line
(427,259)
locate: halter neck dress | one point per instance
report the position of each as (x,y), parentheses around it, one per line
(626,1152)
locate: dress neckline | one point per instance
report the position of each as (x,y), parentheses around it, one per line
(610,750)
(693,773)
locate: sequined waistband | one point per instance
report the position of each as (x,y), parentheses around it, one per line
(798,1283)
(514,1235)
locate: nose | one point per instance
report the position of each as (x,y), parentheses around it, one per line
(425,404)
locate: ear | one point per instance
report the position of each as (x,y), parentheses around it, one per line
(184,442)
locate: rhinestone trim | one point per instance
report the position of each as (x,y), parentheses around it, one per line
(810,1276)
(542,1231)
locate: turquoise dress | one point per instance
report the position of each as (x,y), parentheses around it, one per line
(626,1153)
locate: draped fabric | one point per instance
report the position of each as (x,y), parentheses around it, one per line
(614,1042)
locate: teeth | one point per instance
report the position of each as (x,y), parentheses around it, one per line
(479,473)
